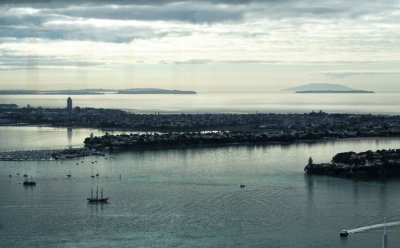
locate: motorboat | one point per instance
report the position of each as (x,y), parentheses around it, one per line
(344,233)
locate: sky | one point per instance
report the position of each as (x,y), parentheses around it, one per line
(209,45)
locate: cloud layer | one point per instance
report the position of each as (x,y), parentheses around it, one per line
(99,34)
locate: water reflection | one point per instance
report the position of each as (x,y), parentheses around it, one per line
(383,197)
(96,208)
(69,135)
(309,181)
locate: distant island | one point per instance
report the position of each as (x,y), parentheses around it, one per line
(335,91)
(8,105)
(154,91)
(95,91)
(326,88)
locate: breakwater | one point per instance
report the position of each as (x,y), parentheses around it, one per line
(379,164)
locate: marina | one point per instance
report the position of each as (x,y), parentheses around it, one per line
(54,154)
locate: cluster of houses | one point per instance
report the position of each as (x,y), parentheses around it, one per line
(369,164)
(271,123)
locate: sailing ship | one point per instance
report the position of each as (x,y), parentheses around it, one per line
(96,199)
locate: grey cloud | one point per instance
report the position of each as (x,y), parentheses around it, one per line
(294,12)
(10,61)
(33,24)
(209,61)
(125,2)
(360,73)
(187,12)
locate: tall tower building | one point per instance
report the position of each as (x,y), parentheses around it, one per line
(69,105)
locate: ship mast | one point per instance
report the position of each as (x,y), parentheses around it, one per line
(97,192)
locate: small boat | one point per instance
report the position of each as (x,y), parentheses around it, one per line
(10,175)
(92,176)
(344,233)
(242,185)
(97,174)
(96,199)
(25,175)
(69,173)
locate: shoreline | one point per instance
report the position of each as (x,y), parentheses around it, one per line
(161,147)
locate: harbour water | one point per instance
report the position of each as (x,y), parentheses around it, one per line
(191,198)
(30,137)
(383,103)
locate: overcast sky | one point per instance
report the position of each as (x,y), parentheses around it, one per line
(210,45)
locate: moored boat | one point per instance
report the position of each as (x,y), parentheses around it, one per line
(29,182)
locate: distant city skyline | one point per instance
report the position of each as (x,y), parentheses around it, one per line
(207,46)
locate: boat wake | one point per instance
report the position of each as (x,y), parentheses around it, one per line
(373,227)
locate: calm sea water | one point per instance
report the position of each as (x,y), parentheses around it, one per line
(388,103)
(25,138)
(191,198)
(33,138)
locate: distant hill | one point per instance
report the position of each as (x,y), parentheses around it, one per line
(333,91)
(320,86)
(94,91)
(325,88)
(8,105)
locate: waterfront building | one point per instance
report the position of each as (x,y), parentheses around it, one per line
(69,105)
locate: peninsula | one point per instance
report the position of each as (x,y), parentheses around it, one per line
(380,164)
(169,130)
(314,125)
